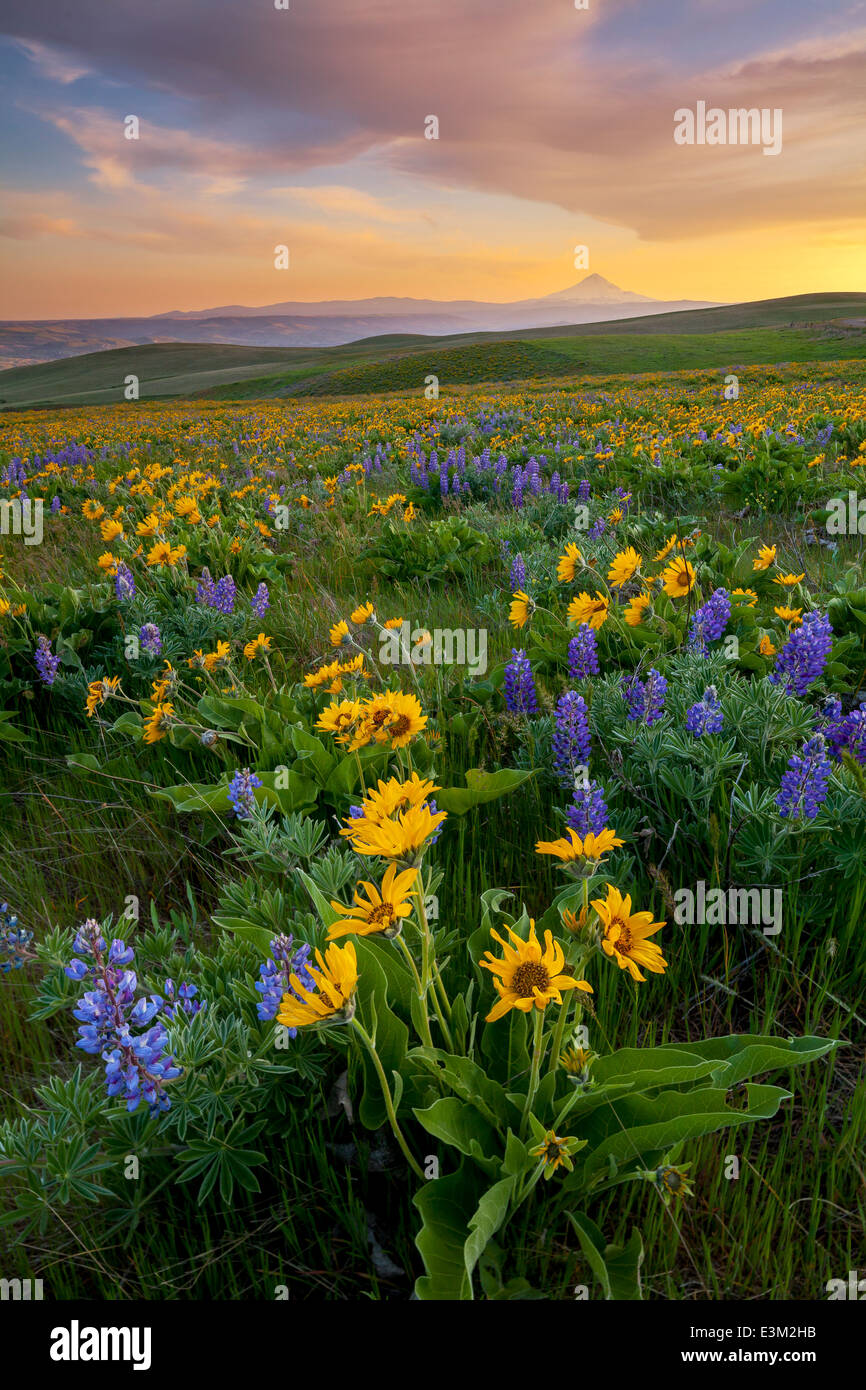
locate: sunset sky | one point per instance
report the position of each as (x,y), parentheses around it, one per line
(305,126)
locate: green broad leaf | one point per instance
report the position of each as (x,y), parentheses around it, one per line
(195,796)
(617,1267)
(459,1124)
(389,1033)
(8,732)
(644,1128)
(488,1218)
(469,1082)
(327,915)
(517,1158)
(399,984)
(446,1206)
(644,1068)
(480,787)
(128,723)
(313,751)
(504,1045)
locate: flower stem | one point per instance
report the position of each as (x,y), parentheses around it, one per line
(537,1054)
(388,1098)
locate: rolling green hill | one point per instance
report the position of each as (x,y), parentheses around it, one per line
(802,328)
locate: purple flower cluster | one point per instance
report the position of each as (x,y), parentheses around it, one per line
(137,1064)
(645,699)
(588,811)
(46,662)
(584,490)
(220,596)
(14,941)
(150,638)
(242,793)
(804,655)
(520,697)
(705,717)
(261,601)
(182,1000)
(709,621)
(571,744)
(517,578)
(275,973)
(124,584)
(846,733)
(583,654)
(804,786)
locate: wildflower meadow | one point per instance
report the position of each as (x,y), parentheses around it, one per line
(432,857)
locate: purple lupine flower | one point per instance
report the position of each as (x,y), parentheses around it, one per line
(518,573)
(705,716)
(804,655)
(571,743)
(583,654)
(645,699)
(14,941)
(224,595)
(275,976)
(710,620)
(520,697)
(150,638)
(124,584)
(804,786)
(56,504)
(137,1065)
(584,490)
(588,811)
(597,529)
(182,1000)
(46,662)
(242,793)
(847,733)
(261,601)
(205,590)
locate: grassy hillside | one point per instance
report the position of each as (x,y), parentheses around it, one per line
(801,328)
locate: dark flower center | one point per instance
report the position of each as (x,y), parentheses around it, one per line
(528,976)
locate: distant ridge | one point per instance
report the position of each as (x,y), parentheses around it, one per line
(799,328)
(328,323)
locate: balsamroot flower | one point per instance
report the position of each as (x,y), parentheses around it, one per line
(624,935)
(678,578)
(381,912)
(528,977)
(331,997)
(592,611)
(573,849)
